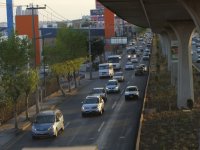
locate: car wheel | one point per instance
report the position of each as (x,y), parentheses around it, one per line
(83,115)
(126,98)
(34,137)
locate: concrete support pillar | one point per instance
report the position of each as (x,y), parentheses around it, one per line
(193,9)
(162,43)
(183,30)
(174,63)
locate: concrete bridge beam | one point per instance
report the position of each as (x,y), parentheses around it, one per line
(192,8)
(183,31)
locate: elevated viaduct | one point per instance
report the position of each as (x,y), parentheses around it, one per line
(172,20)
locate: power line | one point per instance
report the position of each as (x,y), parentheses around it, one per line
(56,13)
(52,15)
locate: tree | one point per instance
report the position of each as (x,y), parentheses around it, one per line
(30,80)
(70,44)
(15,53)
(97,48)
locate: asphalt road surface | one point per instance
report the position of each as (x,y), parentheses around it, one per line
(116,129)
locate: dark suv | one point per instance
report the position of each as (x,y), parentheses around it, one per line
(139,71)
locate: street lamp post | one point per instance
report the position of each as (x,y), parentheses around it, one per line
(90,54)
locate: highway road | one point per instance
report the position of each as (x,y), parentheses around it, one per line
(116,129)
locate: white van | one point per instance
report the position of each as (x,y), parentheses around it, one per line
(115,60)
(106,70)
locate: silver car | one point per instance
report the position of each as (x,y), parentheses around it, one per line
(131,92)
(99,91)
(92,105)
(112,86)
(48,123)
(119,76)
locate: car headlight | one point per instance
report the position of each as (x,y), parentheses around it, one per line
(50,128)
(107,88)
(33,128)
(83,108)
(116,87)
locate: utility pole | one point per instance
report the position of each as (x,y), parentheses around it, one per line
(90,55)
(32,8)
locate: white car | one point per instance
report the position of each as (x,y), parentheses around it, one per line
(129,66)
(198,59)
(92,105)
(134,60)
(119,76)
(131,92)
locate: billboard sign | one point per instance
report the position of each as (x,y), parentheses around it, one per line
(118,40)
(96,12)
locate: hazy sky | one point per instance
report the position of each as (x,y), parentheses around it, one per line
(70,9)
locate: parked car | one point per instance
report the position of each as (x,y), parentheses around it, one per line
(92,105)
(119,76)
(131,92)
(112,86)
(100,91)
(129,66)
(198,59)
(48,123)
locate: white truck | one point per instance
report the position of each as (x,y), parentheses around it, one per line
(106,70)
(116,61)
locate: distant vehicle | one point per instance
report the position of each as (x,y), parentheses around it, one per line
(139,71)
(143,66)
(198,49)
(48,123)
(116,61)
(100,91)
(112,86)
(198,59)
(45,70)
(92,105)
(106,70)
(119,76)
(131,92)
(134,60)
(129,66)
(145,57)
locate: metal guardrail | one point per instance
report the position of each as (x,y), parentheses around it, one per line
(137,146)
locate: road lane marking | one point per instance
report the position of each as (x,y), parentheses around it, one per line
(113,106)
(128,82)
(122,137)
(101,126)
(122,92)
(67,124)
(91,139)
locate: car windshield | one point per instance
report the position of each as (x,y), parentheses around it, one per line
(118,74)
(130,89)
(91,101)
(129,63)
(103,67)
(45,119)
(112,83)
(97,91)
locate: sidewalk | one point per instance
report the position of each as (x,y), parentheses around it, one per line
(7,131)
